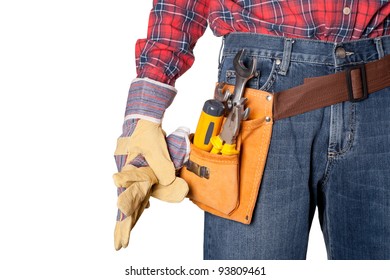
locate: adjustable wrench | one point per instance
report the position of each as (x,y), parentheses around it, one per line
(225,142)
(243,75)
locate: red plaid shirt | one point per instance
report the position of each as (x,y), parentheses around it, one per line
(176,25)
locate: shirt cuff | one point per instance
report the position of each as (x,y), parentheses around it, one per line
(148,99)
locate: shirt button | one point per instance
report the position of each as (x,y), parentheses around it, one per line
(346,11)
(340,52)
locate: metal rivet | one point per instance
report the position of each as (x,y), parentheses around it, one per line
(278,62)
(346,11)
(267,119)
(269,97)
(340,52)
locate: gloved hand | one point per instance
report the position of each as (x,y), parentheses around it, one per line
(141,180)
(134,189)
(142,132)
(148,140)
(136,185)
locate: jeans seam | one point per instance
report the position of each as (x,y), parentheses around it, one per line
(332,130)
(220,68)
(322,186)
(333,158)
(208,237)
(351,135)
(329,166)
(233,53)
(271,78)
(328,230)
(292,59)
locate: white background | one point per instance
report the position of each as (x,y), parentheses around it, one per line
(65,69)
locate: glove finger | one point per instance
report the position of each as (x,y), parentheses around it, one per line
(174,192)
(129,175)
(122,233)
(137,213)
(117,232)
(133,219)
(131,199)
(126,225)
(117,237)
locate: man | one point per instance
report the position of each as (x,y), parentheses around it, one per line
(336,158)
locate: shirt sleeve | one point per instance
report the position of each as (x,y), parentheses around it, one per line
(173,30)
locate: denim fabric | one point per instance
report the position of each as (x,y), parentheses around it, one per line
(335,158)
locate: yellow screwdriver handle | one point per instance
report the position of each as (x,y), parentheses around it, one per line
(209,124)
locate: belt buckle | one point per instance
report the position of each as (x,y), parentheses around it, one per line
(363,80)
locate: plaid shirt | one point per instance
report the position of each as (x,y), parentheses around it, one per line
(176,25)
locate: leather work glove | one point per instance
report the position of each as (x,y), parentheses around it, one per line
(143,144)
(136,185)
(142,133)
(148,140)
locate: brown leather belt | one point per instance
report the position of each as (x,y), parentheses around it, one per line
(353,85)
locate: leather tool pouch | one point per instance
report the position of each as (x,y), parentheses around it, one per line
(228,186)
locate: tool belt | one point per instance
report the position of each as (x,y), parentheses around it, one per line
(228,186)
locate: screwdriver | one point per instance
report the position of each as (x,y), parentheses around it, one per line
(209,123)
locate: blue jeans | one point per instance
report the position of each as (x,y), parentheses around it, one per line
(335,158)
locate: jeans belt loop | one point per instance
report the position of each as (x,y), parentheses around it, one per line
(379,47)
(288,42)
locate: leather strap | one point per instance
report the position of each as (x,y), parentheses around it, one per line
(354,85)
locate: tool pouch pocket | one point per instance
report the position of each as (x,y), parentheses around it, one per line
(228,186)
(213,179)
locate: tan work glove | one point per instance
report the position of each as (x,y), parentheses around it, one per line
(143,138)
(135,186)
(148,140)
(136,182)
